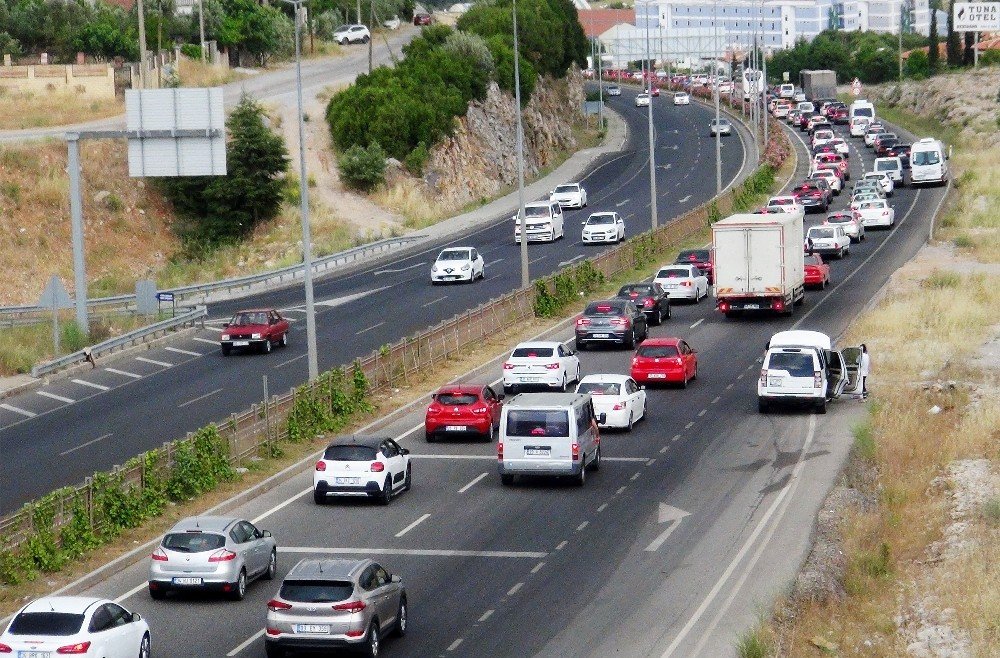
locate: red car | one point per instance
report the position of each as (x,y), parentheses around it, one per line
(421,19)
(701,258)
(664,360)
(817,272)
(463,409)
(258,329)
(840,115)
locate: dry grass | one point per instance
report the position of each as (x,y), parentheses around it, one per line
(193,73)
(19,110)
(973,223)
(409,198)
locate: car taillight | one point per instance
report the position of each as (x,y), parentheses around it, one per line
(358,632)
(78,648)
(500,452)
(274,605)
(686,284)
(5,649)
(817,380)
(508,366)
(778,305)
(724,306)
(552,366)
(576,452)
(635,360)
(621,322)
(377,467)
(582,322)
(273,631)
(222,555)
(618,407)
(350,606)
(160,555)
(763,376)
(648,303)
(321,465)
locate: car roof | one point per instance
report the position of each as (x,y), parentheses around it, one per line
(544,400)
(539,343)
(368,440)
(676,265)
(460,388)
(661,341)
(539,204)
(606,378)
(326,568)
(456,249)
(76,605)
(782,197)
(203,524)
(799,337)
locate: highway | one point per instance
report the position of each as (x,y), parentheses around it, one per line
(696,520)
(126,406)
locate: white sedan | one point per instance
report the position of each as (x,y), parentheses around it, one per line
(842,147)
(681,98)
(789,204)
(883,179)
(875,213)
(618,400)
(458,264)
(835,182)
(683,282)
(570,195)
(603,227)
(614,90)
(78,625)
(642,100)
(720,126)
(829,240)
(543,364)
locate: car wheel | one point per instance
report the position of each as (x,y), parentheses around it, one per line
(157,594)
(284,339)
(670,312)
(821,407)
(581,345)
(344,41)
(630,341)
(273,651)
(240,586)
(491,435)
(371,641)
(365,39)
(408,480)
(506,479)
(684,382)
(508,390)
(430,436)
(762,406)
(595,464)
(694,375)
(401,620)
(631,423)
(563,387)
(272,566)
(386,496)
(226,351)
(581,478)
(144,646)
(577,380)
(319,497)
(267,346)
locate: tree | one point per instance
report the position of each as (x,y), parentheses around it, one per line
(933,56)
(916,65)
(108,35)
(953,45)
(249,27)
(968,56)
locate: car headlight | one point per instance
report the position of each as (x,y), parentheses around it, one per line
(225,336)
(255,336)
(466,267)
(434,269)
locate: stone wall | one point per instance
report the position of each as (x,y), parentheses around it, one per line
(90,80)
(478,161)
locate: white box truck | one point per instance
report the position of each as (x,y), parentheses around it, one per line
(758,263)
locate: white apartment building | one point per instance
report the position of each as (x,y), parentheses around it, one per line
(885,15)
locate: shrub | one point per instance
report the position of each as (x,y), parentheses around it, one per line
(473,48)
(363,168)
(917,66)
(417,158)
(990,58)
(191,50)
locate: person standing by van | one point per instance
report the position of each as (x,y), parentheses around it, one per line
(863,369)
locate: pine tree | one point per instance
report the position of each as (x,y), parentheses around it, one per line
(954,47)
(933,56)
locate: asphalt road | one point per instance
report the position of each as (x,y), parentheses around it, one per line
(127,406)
(697,518)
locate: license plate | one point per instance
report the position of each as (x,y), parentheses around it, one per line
(657,375)
(601,335)
(537,452)
(313,628)
(751,306)
(347,480)
(187,581)
(455,428)
(34,654)
(241,343)
(774,381)
(529,379)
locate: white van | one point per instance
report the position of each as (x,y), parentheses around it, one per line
(861,108)
(859,126)
(928,162)
(544,221)
(548,434)
(801,367)
(786,91)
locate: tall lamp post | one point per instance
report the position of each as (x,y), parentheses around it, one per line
(652,139)
(304,199)
(521,218)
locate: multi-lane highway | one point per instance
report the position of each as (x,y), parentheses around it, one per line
(697,518)
(63,432)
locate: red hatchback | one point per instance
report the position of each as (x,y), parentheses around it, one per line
(665,360)
(258,329)
(463,409)
(817,272)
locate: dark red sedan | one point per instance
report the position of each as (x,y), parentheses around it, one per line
(256,329)
(817,272)
(701,258)
(463,410)
(422,19)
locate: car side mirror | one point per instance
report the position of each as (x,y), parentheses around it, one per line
(404,451)
(265,533)
(136,616)
(584,223)
(602,418)
(572,353)
(395,579)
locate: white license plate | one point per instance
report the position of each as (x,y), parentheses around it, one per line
(34,654)
(601,335)
(187,581)
(774,381)
(313,628)
(347,480)
(529,380)
(657,375)
(241,343)
(537,452)
(455,428)
(751,306)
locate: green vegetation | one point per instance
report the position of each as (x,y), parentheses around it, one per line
(554,293)
(363,168)
(869,56)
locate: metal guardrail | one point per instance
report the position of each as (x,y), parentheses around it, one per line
(119,342)
(11,315)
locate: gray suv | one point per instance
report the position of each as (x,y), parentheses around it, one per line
(328,604)
(212,553)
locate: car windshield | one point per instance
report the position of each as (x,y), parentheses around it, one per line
(245,319)
(864,112)
(533,353)
(680,95)
(349,453)
(720,122)
(599,388)
(536,211)
(821,233)
(316,591)
(456,399)
(604,308)
(796,364)
(700,255)
(600,219)
(887,165)
(454,254)
(566,188)
(673,273)
(537,423)
(925,158)
(46,623)
(657,351)
(193,542)
(636,290)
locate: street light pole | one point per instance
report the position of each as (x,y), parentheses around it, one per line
(142,45)
(718,133)
(311,357)
(652,138)
(201,28)
(521,218)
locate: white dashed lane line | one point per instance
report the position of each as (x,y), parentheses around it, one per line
(83,382)
(697,323)
(702,413)
(454,645)
(537,567)
(18,410)
(207,341)
(515,589)
(473,482)
(374,326)
(124,373)
(583,525)
(199,398)
(412,525)
(177,350)
(83,445)
(434,301)
(689,425)
(154,362)
(486,615)
(561,545)
(53,396)
(603,507)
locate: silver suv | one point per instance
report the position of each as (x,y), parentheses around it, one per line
(327,604)
(212,553)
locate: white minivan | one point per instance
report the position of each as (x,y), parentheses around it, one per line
(802,368)
(928,162)
(544,222)
(861,108)
(548,434)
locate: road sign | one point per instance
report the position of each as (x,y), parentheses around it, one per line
(976,16)
(856,87)
(177,113)
(55,295)
(165,296)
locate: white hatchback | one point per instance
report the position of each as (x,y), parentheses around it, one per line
(875,213)
(77,625)
(789,204)
(828,240)
(681,98)
(359,465)
(835,182)
(683,282)
(544,364)
(603,227)
(642,100)
(618,397)
(883,179)
(458,264)
(570,195)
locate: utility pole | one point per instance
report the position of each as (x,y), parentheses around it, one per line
(521,217)
(718,133)
(763,96)
(652,138)
(76,217)
(142,45)
(600,86)
(371,41)
(359,11)
(201,28)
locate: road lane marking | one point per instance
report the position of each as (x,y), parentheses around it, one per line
(199,398)
(474,481)
(83,445)
(207,341)
(635,476)
(697,323)
(582,526)
(424,552)
(291,360)
(663,449)
(374,326)
(729,387)
(561,545)
(603,507)
(571,260)
(702,413)
(685,199)
(716,399)
(243,645)
(537,567)
(622,203)
(493,457)
(280,506)
(439,299)
(486,615)
(620,490)
(651,462)
(83,382)
(515,589)
(454,645)
(402,269)
(124,373)
(53,396)
(412,525)
(494,262)
(132,592)
(689,425)
(532,262)
(18,410)
(154,362)
(676,437)
(675,518)
(790,486)
(178,350)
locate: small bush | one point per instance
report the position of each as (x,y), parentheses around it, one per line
(753,644)
(876,564)
(864,441)
(942,279)
(964,242)
(363,168)
(991,511)
(417,158)
(191,51)
(114,203)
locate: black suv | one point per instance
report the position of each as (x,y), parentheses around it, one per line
(611,321)
(650,298)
